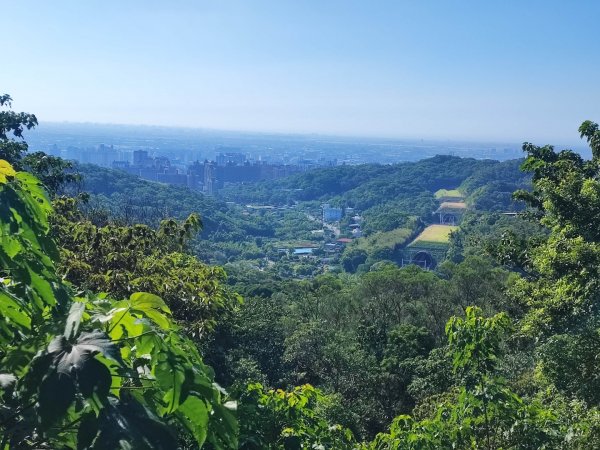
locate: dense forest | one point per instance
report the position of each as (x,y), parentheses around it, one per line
(136,315)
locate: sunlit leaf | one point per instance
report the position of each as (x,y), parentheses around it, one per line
(74,319)
(195,413)
(6,170)
(152,307)
(14,311)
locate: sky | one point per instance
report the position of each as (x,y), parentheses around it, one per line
(496,70)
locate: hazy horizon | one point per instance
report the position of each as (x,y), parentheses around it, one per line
(456,71)
(575,143)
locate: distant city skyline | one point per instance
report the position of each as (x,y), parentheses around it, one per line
(453,70)
(197,143)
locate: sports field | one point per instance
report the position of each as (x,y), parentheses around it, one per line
(434,234)
(448,193)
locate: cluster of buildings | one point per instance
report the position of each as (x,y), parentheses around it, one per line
(101,155)
(210,176)
(207,176)
(323,251)
(333,215)
(228,166)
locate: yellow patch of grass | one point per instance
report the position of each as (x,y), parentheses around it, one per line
(435,234)
(448,193)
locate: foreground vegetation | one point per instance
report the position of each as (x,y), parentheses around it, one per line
(113,334)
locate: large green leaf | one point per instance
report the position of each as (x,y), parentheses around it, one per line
(70,363)
(69,357)
(194,413)
(13,312)
(43,290)
(56,393)
(124,317)
(130,425)
(224,427)
(36,198)
(94,378)
(9,244)
(143,301)
(88,429)
(152,307)
(120,321)
(6,171)
(68,389)
(171,373)
(74,319)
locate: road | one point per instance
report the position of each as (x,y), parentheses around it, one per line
(330,227)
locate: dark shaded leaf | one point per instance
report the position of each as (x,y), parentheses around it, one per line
(94,377)
(292,443)
(69,357)
(129,424)
(56,394)
(88,429)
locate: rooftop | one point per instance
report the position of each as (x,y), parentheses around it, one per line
(303,251)
(452,205)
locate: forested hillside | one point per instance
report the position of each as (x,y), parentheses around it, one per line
(394,202)
(368,185)
(116,331)
(130,199)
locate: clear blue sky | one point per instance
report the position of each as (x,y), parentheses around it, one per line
(510,70)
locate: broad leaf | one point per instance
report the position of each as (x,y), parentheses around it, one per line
(152,307)
(69,357)
(130,425)
(13,310)
(6,171)
(94,378)
(88,429)
(194,413)
(171,373)
(56,394)
(74,319)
